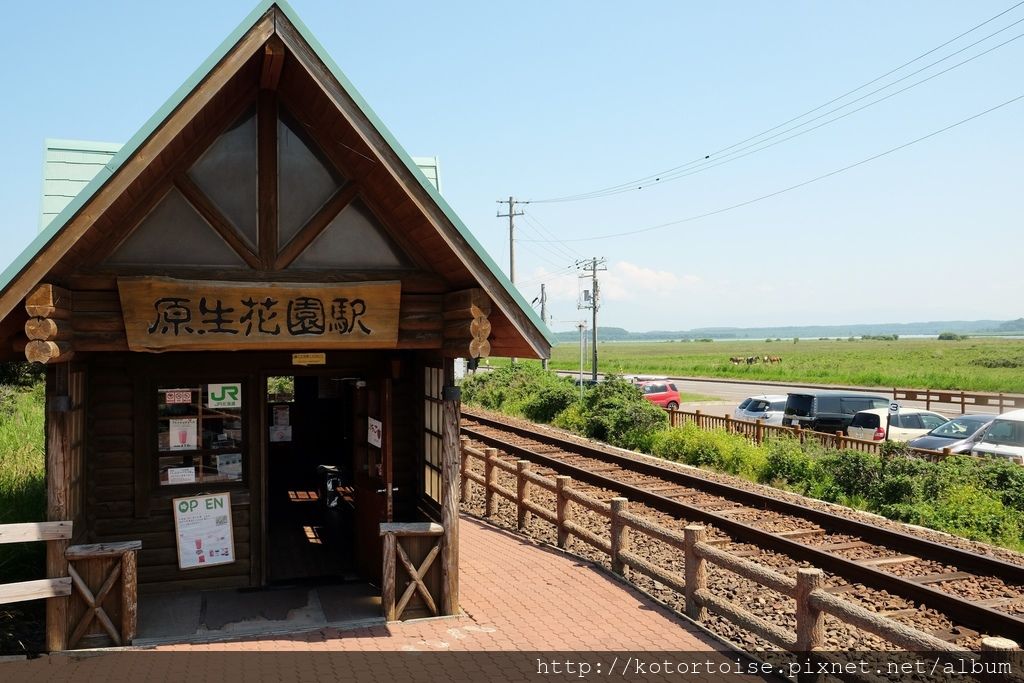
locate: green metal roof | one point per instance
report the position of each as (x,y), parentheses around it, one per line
(130,147)
(68,166)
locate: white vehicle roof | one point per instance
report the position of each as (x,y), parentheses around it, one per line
(914,411)
(772,397)
(1013,415)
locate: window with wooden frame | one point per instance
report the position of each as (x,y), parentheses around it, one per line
(433,419)
(200,436)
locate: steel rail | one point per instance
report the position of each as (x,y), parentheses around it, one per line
(965,612)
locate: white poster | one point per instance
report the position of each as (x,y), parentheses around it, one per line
(181,475)
(183,434)
(279,434)
(203,528)
(224,395)
(374,431)
(281,416)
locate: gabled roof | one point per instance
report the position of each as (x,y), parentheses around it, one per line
(69,165)
(20,276)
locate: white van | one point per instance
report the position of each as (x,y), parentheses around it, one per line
(1004,438)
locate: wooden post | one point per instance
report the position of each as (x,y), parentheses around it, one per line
(129,596)
(563,514)
(946,452)
(696,419)
(1000,404)
(522,493)
(387,589)
(797,432)
(963,405)
(450,458)
(928,399)
(58,473)
(840,438)
(728,423)
(463,466)
(620,537)
(758,432)
(491,477)
(810,622)
(996,654)
(696,571)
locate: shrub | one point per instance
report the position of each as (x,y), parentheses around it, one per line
(552,399)
(786,461)
(854,473)
(616,412)
(951,336)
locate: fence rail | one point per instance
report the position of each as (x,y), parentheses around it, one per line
(811,601)
(758,432)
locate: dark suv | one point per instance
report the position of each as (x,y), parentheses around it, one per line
(827,411)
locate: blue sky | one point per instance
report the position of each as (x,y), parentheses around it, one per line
(547,99)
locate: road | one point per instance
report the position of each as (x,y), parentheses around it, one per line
(727,394)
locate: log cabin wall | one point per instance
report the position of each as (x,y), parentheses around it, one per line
(124,498)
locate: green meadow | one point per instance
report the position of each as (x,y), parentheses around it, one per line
(974,364)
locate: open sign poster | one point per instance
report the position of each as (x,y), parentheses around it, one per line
(202,525)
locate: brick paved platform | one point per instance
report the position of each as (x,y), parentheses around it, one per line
(516,596)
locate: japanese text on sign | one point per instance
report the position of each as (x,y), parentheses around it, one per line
(162,313)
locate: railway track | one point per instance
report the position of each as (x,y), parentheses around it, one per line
(954,582)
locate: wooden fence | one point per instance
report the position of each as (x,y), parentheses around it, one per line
(811,600)
(965,400)
(98,597)
(422,544)
(758,432)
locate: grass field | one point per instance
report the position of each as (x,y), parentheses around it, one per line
(22,477)
(983,364)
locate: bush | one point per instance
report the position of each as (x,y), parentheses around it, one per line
(786,461)
(552,399)
(952,336)
(616,412)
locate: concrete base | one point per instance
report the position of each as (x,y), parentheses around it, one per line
(208,616)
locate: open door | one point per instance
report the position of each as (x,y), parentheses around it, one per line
(372,473)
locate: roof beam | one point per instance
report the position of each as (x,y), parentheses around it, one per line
(273,61)
(316,225)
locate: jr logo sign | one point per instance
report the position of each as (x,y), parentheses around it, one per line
(224,395)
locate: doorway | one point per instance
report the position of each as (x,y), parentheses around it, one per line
(310,504)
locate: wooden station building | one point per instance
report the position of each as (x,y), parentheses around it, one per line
(258,292)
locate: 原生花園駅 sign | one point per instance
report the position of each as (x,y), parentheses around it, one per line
(205,315)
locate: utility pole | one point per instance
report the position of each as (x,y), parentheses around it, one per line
(511,215)
(543,317)
(592,266)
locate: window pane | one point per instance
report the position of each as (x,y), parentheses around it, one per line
(354,239)
(304,180)
(174,234)
(199,433)
(227,174)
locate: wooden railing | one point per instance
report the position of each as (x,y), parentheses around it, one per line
(52,589)
(101,582)
(758,432)
(811,600)
(959,398)
(416,577)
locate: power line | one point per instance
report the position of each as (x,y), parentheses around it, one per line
(801,184)
(631,185)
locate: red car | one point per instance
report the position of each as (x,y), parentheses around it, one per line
(661,393)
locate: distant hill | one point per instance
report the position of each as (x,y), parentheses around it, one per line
(806,331)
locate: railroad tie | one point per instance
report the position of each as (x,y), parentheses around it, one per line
(882,561)
(944,576)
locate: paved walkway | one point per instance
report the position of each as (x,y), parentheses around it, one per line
(531,613)
(516,596)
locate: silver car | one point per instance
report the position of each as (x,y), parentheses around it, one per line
(767,408)
(958,435)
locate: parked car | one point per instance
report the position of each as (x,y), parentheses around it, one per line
(661,393)
(828,411)
(958,435)
(1004,438)
(767,408)
(907,424)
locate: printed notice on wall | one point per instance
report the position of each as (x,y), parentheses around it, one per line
(374,431)
(181,475)
(177,396)
(280,434)
(183,434)
(203,527)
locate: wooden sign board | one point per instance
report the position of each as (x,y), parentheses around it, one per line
(202,525)
(166,314)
